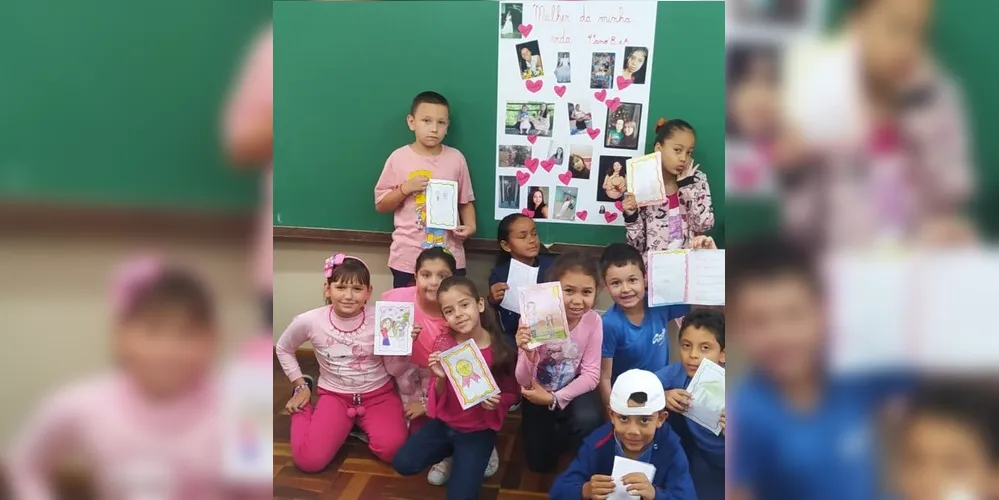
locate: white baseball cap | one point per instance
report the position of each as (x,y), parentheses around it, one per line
(633,381)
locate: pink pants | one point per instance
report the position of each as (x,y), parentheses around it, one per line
(318,433)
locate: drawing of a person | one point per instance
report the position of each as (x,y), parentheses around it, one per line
(550,324)
(532,315)
(386,327)
(435,237)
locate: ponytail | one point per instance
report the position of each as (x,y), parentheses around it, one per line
(665,128)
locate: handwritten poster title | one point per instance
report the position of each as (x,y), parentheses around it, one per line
(554,14)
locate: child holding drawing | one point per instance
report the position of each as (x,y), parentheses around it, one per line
(518,238)
(433,266)
(467,435)
(702,336)
(558,379)
(687,214)
(400,189)
(354,386)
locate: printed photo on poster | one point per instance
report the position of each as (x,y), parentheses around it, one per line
(580,156)
(565,202)
(543,310)
(563,72)
(530,118)
(510,18)
(623,126)
(394,322)
(537,202)
(557,153)
(469,374)
(529,59)
(509,192)
(634,64)
(513,156)
(602,70)
(580,117)
(613,180)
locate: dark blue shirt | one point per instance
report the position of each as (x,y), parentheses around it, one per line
(510,320)
(643,346)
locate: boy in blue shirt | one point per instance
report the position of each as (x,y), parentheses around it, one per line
(797,431)
(634,333)
(702,336)
(635,431)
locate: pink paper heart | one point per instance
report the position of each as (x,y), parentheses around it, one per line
(522,178)
(582,214)
(610,216)
(623,83)
(531,138)
(618,205)
(534,85)
(593,132)
(612,104)
(560,90)
(565,177)
(525,29)
(527,212)
(547,164)
(600,95)
(531,164)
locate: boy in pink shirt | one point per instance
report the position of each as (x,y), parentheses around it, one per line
(401,189)
(558,378)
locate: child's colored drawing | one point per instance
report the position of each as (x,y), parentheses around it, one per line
(544,312)
(469,374)
(393,328)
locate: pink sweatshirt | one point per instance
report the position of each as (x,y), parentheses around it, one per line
(568,368)
(347,363)
(253,98)
(134,447)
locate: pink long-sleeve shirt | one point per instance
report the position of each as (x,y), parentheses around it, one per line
(134,447)
(347,363)
(252,100)
(568,368)
(447,408)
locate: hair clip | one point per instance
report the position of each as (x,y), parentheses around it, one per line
(661,122)
(331,263)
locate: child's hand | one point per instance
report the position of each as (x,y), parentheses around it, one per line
(415,409)
(414,185)
(497,292)
(434,363)
(462,232)
(523,338)
(490,404)
(598,487)
(678,400)
(637,484)
(537,394)
(721,421)
(298,400)
(416,332)
(629,205)
(689,171)
(703,243)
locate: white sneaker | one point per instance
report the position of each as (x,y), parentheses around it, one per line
(493,465)
(440,472)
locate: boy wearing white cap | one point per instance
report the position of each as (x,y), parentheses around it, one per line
(637,410)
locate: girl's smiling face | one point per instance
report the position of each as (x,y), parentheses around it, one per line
(525,53)
(616,167)
(619,125)
(629,128)
(461,310)
(429,277)
(538,197)
(635,61)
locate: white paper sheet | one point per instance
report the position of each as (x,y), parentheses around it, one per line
(544,313)
(520,275)
(623,467)
(706,277)
(442,204)
(645,179)
(708,390)
(667,277)
(249,416)
(394,328)
(469,374)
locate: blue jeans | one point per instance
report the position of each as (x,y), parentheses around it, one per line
(436,441)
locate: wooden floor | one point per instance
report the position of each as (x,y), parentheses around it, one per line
(356,474)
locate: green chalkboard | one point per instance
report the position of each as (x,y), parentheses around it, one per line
(344,81)
(118,102)
(960,26)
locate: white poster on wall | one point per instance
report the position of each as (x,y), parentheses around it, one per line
(572,106)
